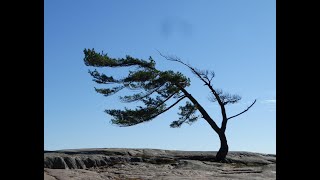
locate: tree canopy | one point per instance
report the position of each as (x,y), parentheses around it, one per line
(155,88)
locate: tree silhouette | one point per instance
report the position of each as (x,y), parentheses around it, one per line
(155,89)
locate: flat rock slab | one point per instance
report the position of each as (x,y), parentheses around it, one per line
(149,164)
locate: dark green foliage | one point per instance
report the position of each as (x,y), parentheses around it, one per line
(101,78)
(156,87)
(129,117)
(95,59)
(187,115)
(110,91)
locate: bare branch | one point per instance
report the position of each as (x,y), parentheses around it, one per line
(206,75)
(212,76)
(195,71)
(216,95)
(243,111)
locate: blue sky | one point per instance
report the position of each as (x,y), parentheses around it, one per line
(234,38)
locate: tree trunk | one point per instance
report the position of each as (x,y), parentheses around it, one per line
(223,151)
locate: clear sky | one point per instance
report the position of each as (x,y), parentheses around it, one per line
(234,38)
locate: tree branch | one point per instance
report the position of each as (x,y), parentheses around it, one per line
(204,113)
(165,100)
(126,99)
(243,111)
(223,111)
(178,60)
(168,107)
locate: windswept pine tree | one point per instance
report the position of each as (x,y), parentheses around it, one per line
(155,89)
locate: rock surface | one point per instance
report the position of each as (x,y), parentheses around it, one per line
(145,164)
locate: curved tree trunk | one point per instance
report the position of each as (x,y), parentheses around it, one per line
(223,151)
